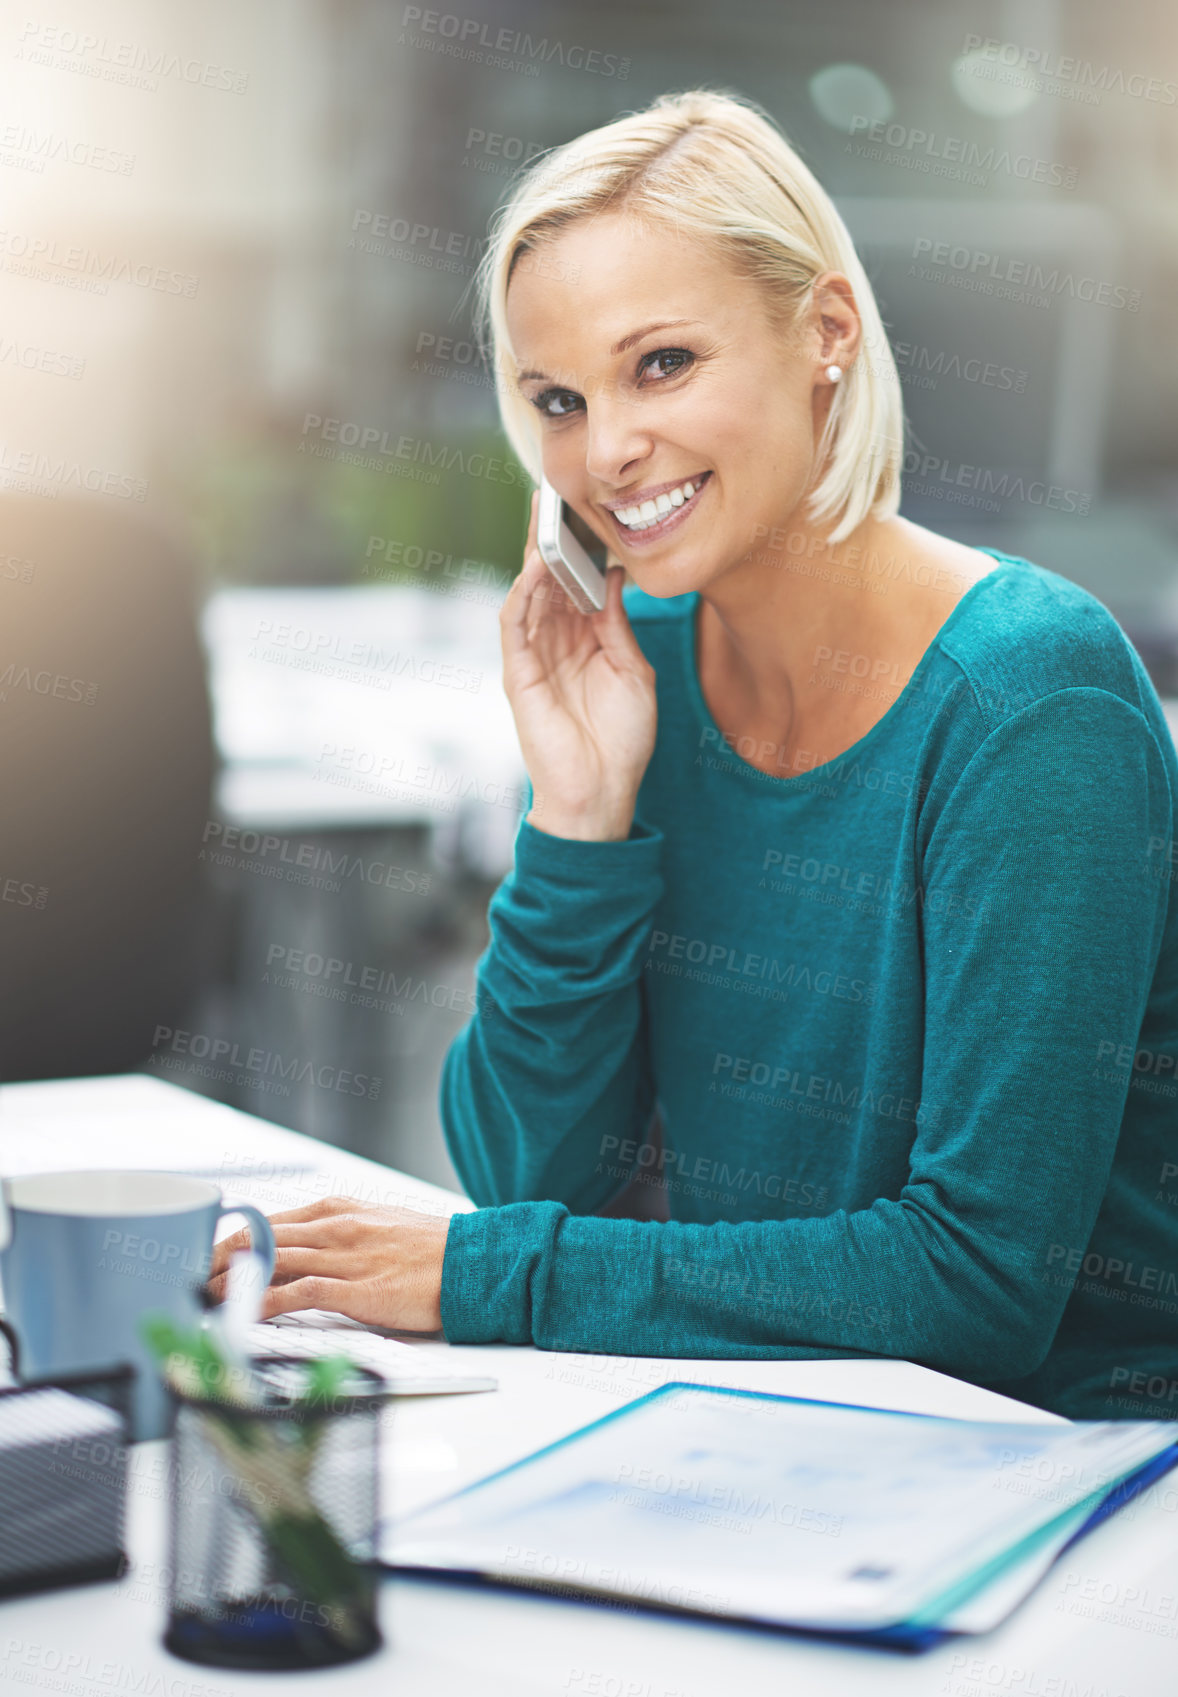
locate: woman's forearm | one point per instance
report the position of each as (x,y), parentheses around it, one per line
(890,1281)
(555,1059)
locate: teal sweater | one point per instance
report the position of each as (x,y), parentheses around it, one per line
(898,1034)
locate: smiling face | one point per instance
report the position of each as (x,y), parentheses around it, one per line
(675,418)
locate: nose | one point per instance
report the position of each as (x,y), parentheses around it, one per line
(616,443)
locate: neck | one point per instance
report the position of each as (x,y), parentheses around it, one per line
(777,627)
(784,613)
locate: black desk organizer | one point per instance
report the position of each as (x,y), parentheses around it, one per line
(57,1490)
(255,1583)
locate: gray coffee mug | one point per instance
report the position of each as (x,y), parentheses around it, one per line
(90,1253)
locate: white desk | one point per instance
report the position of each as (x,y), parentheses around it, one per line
(1104,1620)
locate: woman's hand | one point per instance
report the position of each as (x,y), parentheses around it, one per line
(381,1266)
(583,696)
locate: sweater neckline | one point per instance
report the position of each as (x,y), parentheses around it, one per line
(741,768)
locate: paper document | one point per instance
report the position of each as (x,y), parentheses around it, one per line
(781,1509)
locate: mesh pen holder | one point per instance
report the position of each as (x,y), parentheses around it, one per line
(274,1513)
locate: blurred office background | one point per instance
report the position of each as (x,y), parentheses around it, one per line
(251,476)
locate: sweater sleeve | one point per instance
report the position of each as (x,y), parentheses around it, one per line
(1047,829)
(552,1072)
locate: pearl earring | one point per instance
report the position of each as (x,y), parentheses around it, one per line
(834,373)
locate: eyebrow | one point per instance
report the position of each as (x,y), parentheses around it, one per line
(621,347)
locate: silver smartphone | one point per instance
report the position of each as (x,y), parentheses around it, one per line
(574,554)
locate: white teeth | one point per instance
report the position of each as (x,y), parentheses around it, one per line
(641,517)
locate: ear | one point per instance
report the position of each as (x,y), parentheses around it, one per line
(837,330)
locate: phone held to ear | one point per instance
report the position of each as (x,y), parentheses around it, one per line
(574,554)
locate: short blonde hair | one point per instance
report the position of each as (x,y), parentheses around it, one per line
(711,164)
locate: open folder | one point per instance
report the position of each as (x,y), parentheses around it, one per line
(813,1516)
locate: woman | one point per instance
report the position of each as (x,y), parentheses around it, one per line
(840,911)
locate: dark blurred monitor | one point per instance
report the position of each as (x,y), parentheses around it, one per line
(105,771)
(1001,318)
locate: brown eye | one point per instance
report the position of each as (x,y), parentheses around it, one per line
(680,358)
(541,402)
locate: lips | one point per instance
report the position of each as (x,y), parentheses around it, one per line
(667,523)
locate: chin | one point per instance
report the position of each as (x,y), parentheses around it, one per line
(662,580)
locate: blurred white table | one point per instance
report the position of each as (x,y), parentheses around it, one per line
(1103,1621)
(365,706)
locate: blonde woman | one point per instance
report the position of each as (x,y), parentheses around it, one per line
(840,911)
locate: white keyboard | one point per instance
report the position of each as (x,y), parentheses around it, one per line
(406,1368)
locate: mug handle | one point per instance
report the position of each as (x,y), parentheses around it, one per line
(13,1346)
(261,1234)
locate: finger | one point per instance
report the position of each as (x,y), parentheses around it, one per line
(612,624)
(215,1290)
(228,1247)
(613,591)
(549,596)
(337,1296)
(513,615)
(316,1235)
(535,599)
(298,1262)
(543,591)
(326,1208)
(319,1209)
(532,540)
